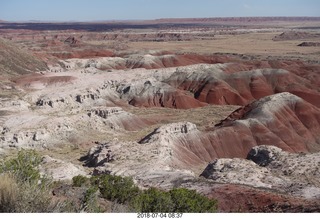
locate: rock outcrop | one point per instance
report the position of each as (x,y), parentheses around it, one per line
(158,94)
(270,167)
(117,118)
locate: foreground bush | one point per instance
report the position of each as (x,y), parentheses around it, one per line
(176,200)
(22,189)
(189,201)
(24,166)
(123,191)
(153,200)
(78,181)
(117,188)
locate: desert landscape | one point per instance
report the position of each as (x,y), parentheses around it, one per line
(228,107)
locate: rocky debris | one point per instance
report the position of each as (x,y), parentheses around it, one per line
(308,44)
(57,102)
(264,155)
(31,131)
(72,41)
(60,170)
(90,95)
(106,112)
(117,118)
(296,35)
(98,155)
(274,168)
(240,171)
(165,132)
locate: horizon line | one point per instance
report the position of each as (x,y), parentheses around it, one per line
(155,19)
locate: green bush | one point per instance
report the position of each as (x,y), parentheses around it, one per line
(117,188)
(189,201)
(90,200)
(78,181)
(123,191)
(176,200)
(24,167)
(32,191)
(153,200)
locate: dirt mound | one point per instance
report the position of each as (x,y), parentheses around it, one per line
(294,35)
(309,44)
(284,120)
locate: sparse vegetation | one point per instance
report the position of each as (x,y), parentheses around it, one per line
(79,181)
(22,187)
(153,200)
(116,188)
(176,200)
(122,190)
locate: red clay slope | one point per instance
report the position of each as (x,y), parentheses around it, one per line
(283,120)
(244,82)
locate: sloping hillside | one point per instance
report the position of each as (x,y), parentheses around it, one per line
(15,61)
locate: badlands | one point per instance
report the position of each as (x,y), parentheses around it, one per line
(229,107)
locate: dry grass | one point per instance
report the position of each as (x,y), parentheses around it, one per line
(8,192)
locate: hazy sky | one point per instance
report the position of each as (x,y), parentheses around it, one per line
(88,10)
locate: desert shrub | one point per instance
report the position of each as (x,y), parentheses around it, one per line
(153,200)
(117,188)
(78,181)
(24,166)
(31,190)
(90,200)
(121,190)
(176,200)
(186,200)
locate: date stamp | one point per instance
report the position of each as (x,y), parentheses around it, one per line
(159,215)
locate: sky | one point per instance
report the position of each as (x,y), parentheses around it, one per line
(97,10)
